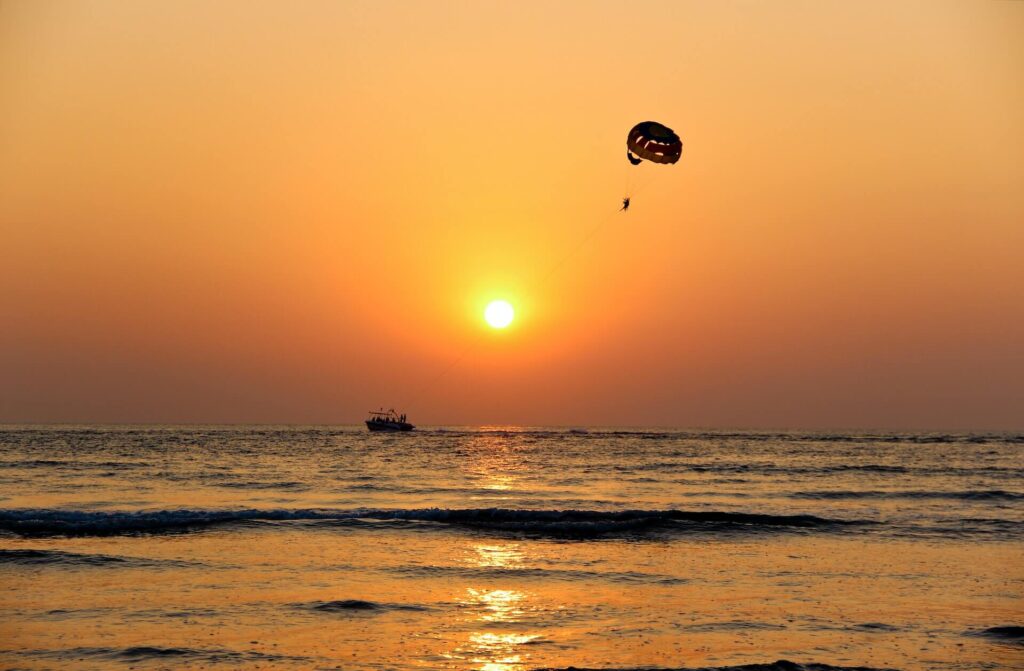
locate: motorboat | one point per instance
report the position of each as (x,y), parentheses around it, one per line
(387,420)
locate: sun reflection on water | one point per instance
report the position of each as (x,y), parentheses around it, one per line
(496,652)
(490,608)
(500,605)
(503,555)
(494,462)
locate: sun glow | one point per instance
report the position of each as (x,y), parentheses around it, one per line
(499,314)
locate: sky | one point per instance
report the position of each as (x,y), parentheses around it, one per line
(296,212)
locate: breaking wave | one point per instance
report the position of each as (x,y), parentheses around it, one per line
(583,523)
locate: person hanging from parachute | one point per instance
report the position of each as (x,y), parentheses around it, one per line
(654,142)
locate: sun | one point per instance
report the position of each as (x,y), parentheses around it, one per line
(499,314)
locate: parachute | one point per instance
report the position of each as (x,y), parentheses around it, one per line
(654,142)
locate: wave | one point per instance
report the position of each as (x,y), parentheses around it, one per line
(972,528)
(148,653)
(59,558)
(967,495)
(531,573)
(787,470)
(875,627)
(584,523)
(753,436)
(289,485)
(192,435)
(64,614)
(161,615)
(344,605)
(737,625)
(356,605)
(75,465)
(1004,634)
(780,665)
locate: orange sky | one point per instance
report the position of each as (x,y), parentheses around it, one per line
(294,212)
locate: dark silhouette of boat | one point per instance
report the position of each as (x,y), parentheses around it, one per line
(387,420)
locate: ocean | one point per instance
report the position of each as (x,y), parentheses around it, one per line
(508,548)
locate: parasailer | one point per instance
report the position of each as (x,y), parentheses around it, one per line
(654,142)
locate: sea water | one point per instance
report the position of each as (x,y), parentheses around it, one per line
(508,548)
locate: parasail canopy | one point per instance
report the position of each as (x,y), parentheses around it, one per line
(654,142)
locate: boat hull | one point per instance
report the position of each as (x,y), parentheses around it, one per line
(388,426)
